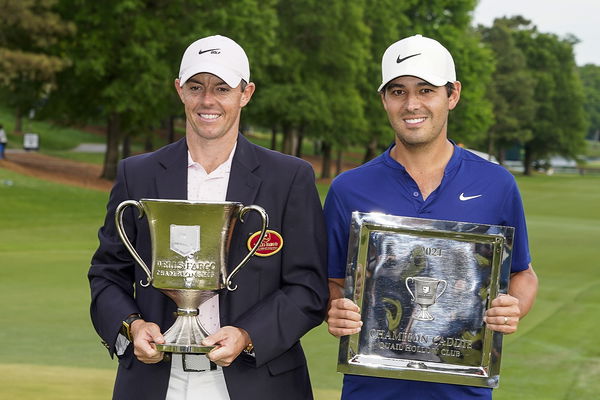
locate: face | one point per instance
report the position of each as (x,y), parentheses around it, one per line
(212,108)
(417,110)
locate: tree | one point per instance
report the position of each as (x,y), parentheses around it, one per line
(559,123)
(29,57)
(119,70)
(449,22)
(128,55)
(512,87)
(343,55)
(384,31)
(311,84)
(590,77)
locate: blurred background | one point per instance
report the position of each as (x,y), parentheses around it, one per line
(85,83)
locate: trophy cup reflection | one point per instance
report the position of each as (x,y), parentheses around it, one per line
(425,294)
(190,247)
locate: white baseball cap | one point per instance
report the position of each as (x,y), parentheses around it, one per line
(217,55)
(418,56)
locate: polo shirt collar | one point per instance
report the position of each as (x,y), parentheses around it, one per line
(452,165)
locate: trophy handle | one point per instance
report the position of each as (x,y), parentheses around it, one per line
(443,290)
(265,223)
(410,278)
(119,223)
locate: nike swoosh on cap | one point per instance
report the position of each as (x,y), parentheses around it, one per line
(462,197)
(206,51)
(399,60)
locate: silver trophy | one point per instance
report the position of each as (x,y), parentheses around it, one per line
(190,247)
(425,294)
(434,331)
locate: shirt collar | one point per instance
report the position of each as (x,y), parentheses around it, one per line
(223,168)
(452,163)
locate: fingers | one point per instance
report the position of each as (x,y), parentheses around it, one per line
(344,304)
(145,335)
(222,356)
(213,339)
(502,324)
(229,342)
(504,314)
(343,318)
(505,300)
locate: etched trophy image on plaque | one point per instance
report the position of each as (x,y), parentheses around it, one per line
(190,248)
(423,287)
(425,294)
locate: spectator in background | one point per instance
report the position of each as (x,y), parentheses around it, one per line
(3,141)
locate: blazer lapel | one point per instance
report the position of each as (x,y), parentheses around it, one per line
(171,179)
(243,187)
(243,183)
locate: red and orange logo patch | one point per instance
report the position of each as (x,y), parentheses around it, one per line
(271,244)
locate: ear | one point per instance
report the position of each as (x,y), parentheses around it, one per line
(455,96)
(179,89)
(247,94)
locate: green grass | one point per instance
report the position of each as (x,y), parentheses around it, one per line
(46,240)
(50,350)
(52,137)
(92,158)
(554,355)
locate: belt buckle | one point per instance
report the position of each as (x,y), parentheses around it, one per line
(197,363)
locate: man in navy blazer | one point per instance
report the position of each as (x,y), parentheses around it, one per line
(279,297)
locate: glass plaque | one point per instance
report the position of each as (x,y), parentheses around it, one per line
(423,287)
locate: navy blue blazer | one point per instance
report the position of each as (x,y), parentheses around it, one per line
(279,298)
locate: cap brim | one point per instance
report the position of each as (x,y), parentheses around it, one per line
(434,80)
(230,77)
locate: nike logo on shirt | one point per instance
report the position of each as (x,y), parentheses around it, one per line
(462,197)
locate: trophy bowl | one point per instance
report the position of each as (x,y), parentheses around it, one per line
(190,246)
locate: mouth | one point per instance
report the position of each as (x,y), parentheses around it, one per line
(414,121)
(209,116)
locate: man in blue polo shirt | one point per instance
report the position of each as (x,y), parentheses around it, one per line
(423,174)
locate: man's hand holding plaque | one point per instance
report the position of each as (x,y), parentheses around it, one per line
(343,317)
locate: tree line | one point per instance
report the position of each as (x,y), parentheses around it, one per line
(316,65)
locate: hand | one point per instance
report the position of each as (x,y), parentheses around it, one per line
(504,314)
(230,342)
(144,335)
(343,317)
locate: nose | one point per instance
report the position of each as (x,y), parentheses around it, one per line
(207,98)
(413,102)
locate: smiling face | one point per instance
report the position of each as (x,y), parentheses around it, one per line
(212,108)
(418,111)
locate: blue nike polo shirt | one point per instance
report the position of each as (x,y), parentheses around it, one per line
(472,190)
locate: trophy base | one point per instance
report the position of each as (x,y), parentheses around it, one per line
(184,348)
(423,315)
(186,335)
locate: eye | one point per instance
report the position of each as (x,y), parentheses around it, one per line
(222,89)
(397,92)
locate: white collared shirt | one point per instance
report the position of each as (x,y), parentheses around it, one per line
(208,187)
(187,385)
